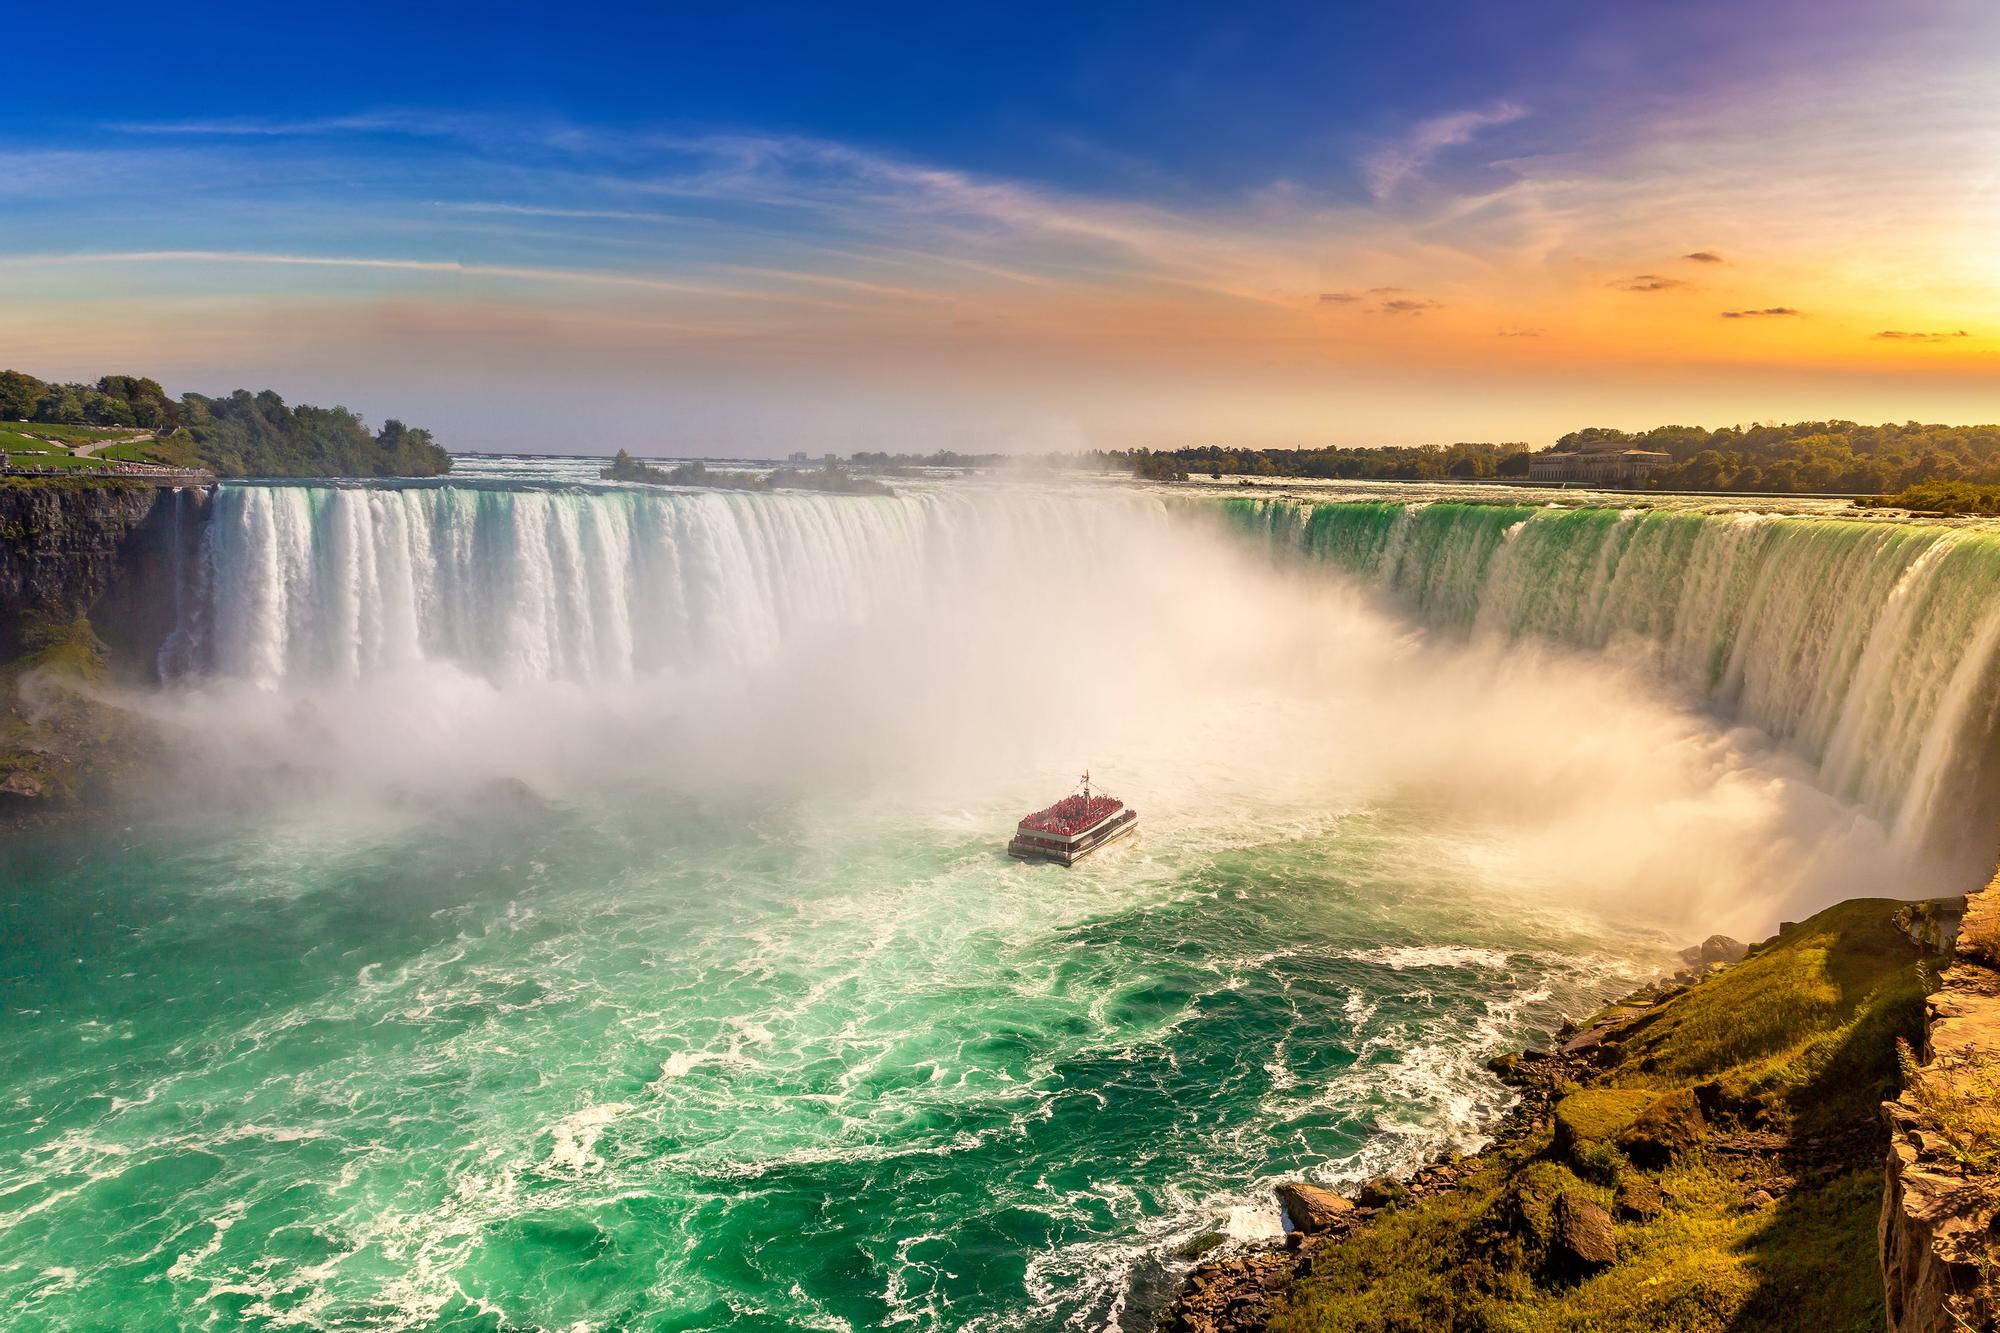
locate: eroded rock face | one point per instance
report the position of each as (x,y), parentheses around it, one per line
(1940,1227)
(117,553)
(1312,1209)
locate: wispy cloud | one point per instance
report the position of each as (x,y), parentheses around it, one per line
(1408,305)
(1899,335)
(1389,169)
(512,272)
(1704,257)
(1760,314)
(1648,282)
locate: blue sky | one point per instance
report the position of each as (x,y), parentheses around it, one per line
(1031,226)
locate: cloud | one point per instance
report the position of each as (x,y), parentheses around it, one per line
(1759,314)
(1519,333)
(1408,305)
(1704,257)
(1648,282)
(1337,298)
(1902,336)
(512,272)
(1388,169)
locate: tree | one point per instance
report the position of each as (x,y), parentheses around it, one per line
(60,404)
(18,395)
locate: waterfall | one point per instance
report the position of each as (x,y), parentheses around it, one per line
(1871,648)
(531,584)
(1866,646)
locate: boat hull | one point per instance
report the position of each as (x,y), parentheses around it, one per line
(1068,851)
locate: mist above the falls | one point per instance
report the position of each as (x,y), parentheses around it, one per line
(958,659)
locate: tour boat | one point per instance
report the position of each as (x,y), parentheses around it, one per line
(1073,827)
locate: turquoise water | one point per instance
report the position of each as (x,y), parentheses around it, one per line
(753,1067)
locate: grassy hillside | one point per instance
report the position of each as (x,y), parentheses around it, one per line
(1732,1137)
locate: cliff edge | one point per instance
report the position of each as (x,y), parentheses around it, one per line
(1940,1225)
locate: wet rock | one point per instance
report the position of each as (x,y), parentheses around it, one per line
(1583,1239)
(1638,1199)
(1195,1247)
(1665,1130)
(1310,1208)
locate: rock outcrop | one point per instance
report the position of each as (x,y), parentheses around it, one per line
(122,552)
(1940,1225)
(1312,1209)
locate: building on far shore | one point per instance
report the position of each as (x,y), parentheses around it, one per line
(1598,463)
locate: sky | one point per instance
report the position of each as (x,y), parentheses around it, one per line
(749,229)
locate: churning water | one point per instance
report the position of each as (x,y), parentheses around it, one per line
(585,909)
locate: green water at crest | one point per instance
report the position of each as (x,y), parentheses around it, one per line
(767,1067)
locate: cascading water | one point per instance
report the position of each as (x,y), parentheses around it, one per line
(601,585)
(1868,646)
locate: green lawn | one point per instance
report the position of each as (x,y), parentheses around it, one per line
(69,434)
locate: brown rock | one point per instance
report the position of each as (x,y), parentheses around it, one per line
(1381,1192)
(1665,1130)
(1583,1238)
(1638,1198)
(1756,1199)
(1310,1208)
(20,783)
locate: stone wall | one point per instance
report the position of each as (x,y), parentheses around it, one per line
(1940,1227)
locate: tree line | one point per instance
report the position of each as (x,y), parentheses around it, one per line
(244,434)
(1842,456)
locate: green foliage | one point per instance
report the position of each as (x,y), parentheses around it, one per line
(258,435)
(243,435)
(18,395)
(1841,456)
(1944,497)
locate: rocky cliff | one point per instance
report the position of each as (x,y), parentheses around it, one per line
(1940,1226)
(121,552)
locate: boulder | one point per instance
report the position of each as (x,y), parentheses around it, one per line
(1757,1199)
(1583,1239)
(1638,1198)
(1596,1115)
(1713,950)
(21,783)
(1381,1192)
(1310,1208)
(1668,1128)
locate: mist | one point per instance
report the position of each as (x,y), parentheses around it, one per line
(955,659)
